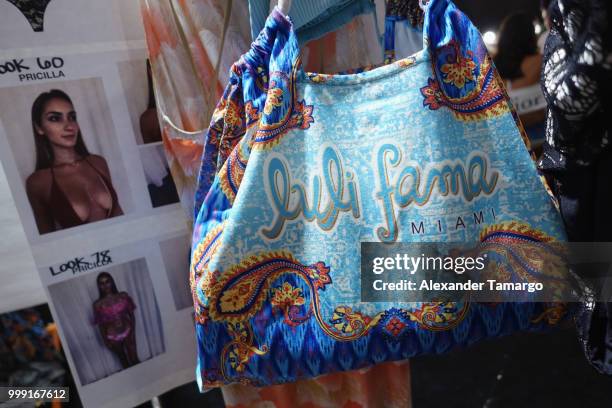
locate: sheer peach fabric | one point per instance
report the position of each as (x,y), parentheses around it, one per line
(386,385)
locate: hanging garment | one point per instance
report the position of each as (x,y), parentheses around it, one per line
(577,159)
(187,62)
(403,29)
(183,67)
(386,385)
(183,40)
(33,11)
(308,166)
(354,45)
(311,19)
(183,59)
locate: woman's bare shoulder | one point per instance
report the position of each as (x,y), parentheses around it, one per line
(38,184)
(99,163)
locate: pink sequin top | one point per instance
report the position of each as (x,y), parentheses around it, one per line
(116,311)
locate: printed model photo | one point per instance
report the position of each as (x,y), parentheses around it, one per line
(70,186)
(138,88)
(69,166)
(114,315)
(149,125)
(117,312)
(49,23)
(137,83)
(175,254)
(162,190)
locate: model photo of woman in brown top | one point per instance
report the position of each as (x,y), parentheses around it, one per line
(70,186)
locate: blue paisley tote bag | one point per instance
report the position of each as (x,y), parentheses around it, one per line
(300,168)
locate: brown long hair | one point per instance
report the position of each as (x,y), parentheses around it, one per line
(109,276)
(516,40)
(44,152)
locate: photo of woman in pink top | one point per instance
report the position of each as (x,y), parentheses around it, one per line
(114,316)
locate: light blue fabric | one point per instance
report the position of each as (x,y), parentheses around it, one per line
(426,149)
(311,18)
(401,39)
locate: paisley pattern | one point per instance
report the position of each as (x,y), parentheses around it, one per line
(482,96)
(517,253)
(232,172)
(242,295)
(239,109)
(282,103)
(459,71)
(200,276)
(176,35)
(331,161)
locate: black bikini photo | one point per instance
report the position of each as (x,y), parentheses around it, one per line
(33,11)
(51,23)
